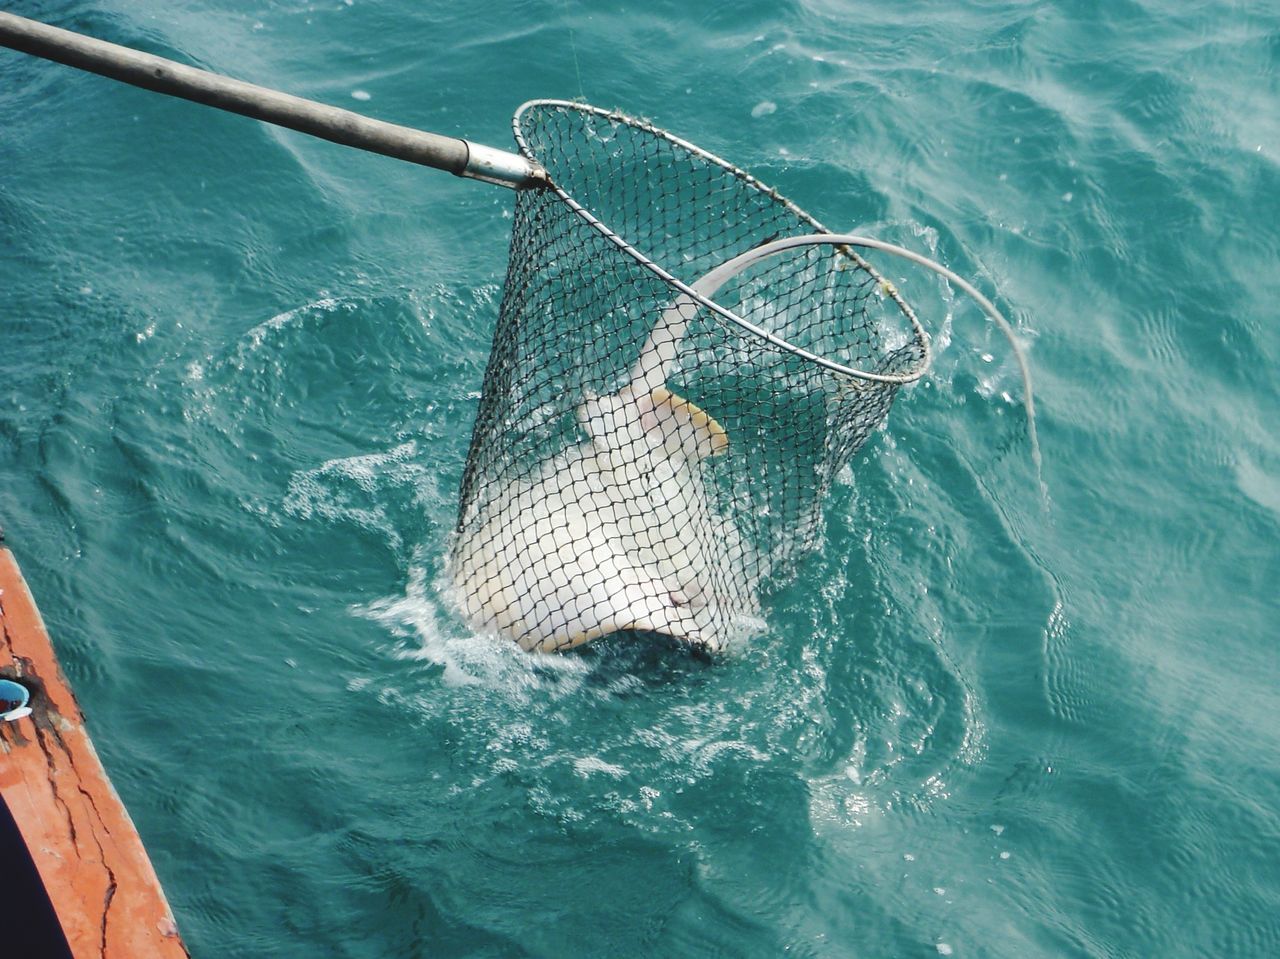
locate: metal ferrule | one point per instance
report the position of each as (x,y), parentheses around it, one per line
(505,169)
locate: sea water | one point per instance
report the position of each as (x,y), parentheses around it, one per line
(238,370)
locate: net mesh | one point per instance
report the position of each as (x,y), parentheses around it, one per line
(657,430)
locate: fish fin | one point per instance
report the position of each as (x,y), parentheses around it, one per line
(691,427)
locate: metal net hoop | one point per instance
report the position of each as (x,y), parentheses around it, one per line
(567,175)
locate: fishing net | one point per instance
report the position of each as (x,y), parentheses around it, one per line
(679,370)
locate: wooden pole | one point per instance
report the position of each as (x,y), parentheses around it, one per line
(453,155)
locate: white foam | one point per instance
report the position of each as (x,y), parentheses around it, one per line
(258,334)
(326,491)
(468,659)
(586,766)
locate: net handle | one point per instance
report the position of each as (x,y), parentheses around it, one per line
(457,156)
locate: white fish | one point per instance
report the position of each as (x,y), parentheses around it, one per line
(617,533)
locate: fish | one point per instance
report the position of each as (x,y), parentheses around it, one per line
(617,533)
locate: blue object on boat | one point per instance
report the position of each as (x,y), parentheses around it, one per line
(13,700)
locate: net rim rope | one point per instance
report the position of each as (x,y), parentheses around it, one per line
(920,336)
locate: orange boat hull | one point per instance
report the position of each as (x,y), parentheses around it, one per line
(96,873)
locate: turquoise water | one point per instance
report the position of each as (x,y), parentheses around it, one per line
(237,374)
